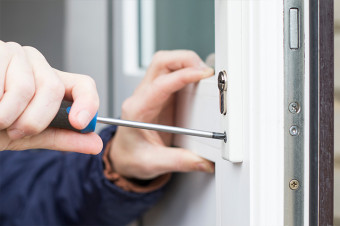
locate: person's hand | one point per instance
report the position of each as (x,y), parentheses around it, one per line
(144,154)
(31,92)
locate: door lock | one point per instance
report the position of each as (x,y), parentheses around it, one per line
(222,86)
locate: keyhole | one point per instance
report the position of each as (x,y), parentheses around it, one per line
(222,86)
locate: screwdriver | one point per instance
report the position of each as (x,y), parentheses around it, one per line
(61,121)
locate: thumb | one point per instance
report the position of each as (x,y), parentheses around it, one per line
(183,160)
(61,140)
(82,90)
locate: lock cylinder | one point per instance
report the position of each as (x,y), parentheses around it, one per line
(222,86)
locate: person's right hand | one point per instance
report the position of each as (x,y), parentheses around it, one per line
(31,92)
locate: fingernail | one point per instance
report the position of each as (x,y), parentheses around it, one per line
(15,134)
(208,72)
(84,118)
(206,167)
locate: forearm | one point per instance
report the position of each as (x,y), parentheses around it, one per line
(124,200)
(56,188)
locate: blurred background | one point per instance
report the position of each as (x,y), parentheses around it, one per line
(94,37)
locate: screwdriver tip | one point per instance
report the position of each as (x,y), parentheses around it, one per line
(220,136)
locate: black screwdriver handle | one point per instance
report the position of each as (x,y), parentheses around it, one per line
(61,120)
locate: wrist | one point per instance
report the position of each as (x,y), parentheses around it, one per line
(129,184)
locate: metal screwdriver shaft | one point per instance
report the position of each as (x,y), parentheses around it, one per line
(161,128)
(61,121)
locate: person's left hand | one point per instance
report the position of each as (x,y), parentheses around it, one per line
(144,154)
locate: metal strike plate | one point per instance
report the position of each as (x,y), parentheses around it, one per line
(222,86)
(294,103)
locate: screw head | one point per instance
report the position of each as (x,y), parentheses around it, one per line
(294,184)
(294,107)
(294,130)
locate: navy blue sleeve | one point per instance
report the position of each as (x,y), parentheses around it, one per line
(45,187)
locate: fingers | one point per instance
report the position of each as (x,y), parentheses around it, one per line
(19,86)
(59,139)
(82,90)
(167,61)
(30,96)
(159,91)
(167,160)
(182,160)
(177,80)
(46,101)
(169,72)
(5,58)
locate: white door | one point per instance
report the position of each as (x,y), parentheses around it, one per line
(249,173)
(253,183)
